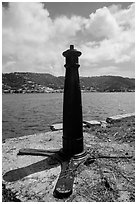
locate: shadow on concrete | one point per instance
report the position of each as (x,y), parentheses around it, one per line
(17,174)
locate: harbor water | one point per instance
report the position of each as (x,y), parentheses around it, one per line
(27,114)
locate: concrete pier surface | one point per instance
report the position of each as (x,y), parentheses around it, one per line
(108,177)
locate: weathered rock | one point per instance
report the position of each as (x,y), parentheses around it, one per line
(55,127)
(33,178)
(119,117)
(59,126)
(92,123)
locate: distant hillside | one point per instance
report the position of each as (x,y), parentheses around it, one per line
(108,83)
(39,81)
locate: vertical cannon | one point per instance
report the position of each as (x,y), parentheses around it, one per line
(72,152)
(72,106)
(73,147)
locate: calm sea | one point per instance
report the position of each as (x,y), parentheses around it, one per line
(26,114)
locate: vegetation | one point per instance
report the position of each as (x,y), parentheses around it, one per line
(38,82)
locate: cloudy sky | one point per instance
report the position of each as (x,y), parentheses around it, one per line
(34,35)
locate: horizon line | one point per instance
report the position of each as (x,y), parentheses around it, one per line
(64,76)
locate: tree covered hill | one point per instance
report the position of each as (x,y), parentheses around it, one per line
(31,81)
(109,83)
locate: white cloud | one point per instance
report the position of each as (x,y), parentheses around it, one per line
(102,24)
(35,42)
(114,32)
(33,39)
(124,17)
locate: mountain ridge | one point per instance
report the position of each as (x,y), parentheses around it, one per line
(35,81)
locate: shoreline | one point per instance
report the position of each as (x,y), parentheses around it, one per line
(116,138)
(59,126)
(83,91)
